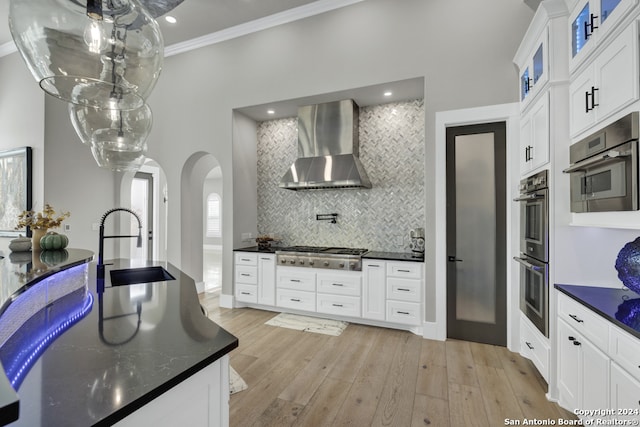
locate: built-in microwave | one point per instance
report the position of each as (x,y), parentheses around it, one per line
(604,169)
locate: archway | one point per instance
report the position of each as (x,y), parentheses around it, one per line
(192,208)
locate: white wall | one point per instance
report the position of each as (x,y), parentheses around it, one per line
(463,49)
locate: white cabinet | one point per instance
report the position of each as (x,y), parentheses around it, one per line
(534,346)
(373,289)
(534,72)
(404,292)
(246,277)
(583,371)
(607,84)
(339,293)
(591,22)
(255,278)
(296,288)
(625,394)
(267,279)
(534,136)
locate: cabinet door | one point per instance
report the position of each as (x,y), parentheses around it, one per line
(373,290)
(539,154)
(525,144)
(595,377)
(570,366)
(267,279)
(581,114)
(580,32)
(617,74)
(625,394)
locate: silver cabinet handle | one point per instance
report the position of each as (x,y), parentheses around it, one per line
(404,271)
(404,289)
(403,312)
(245,293)
(337,284)
(245,274)
(295,280)
(295,300)
(337,305)
(245,259)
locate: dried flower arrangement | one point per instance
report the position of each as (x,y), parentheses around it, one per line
(41,220)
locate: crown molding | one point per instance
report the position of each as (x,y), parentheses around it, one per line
(301,12)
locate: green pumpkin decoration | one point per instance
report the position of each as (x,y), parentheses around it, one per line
(53,241)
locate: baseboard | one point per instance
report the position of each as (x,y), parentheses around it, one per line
(226,301)
(431,331)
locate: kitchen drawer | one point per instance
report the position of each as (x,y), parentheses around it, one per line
(247,293)
(409,270)
(341,305)
(592,326)
(340,284)
(246,274)
(407,313)
(299,300)
(624,349)
(403,289)
(246,258)
(299,279)
(534,346)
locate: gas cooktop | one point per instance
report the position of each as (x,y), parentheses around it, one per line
(321,257)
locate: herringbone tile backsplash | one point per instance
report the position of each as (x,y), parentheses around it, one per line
(379,219)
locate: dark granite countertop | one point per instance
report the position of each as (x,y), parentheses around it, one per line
(393,256)
(271,250)
(100,356)
(617,305)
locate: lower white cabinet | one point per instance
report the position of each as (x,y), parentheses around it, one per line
(598,364)
(374,289)
(404,292)
(266,279)
(340,305)
(583,373)
(534,346)
(298,300)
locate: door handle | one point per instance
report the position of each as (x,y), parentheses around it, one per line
(452,258)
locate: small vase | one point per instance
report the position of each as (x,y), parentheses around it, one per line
(36,235)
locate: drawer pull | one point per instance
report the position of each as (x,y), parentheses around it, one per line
(337,284)
(266,259)
(245,259)
(529,345)
(576,343)
(404,289)
(572,339)
(295,280)
(295,300)
(404,312)
(337,305)
(245,274)
(576,318)
(245,293)
(404,271)
(374,265)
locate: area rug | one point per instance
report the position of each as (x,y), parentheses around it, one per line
(236,383)
(308,324)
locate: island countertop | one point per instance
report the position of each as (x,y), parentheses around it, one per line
(99,356)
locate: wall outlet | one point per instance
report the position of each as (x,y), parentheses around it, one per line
(67,227)
(400,241)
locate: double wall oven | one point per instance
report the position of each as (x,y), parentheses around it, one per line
(534,249)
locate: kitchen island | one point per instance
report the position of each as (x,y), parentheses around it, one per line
(82,354)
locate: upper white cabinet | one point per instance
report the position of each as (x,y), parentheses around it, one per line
(607,84)
(591,22)
(534,136)
(534,72)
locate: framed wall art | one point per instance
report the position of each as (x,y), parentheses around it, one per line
(15,188)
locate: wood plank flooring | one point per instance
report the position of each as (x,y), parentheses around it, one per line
(372,376)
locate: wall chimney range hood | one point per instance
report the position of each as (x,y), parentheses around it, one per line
(328,149)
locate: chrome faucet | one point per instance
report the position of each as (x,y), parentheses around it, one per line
(102,237)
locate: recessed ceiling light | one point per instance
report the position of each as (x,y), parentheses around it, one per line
(170,19)
(388,93)
(270,112)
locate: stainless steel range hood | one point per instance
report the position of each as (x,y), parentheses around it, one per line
(328,149)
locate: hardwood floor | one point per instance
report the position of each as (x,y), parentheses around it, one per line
(372,376)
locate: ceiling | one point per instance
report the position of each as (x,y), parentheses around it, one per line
(197,18)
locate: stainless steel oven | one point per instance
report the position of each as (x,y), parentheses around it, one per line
(534,249)
(534,216)
(604,169)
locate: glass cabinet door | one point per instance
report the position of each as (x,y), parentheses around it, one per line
(538,65)
(606,7)
(579,33)
(525,83)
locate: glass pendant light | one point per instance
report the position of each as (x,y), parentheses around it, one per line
(97,53)
(95,125)
(119,157)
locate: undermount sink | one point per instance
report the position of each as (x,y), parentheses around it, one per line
(132,276)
